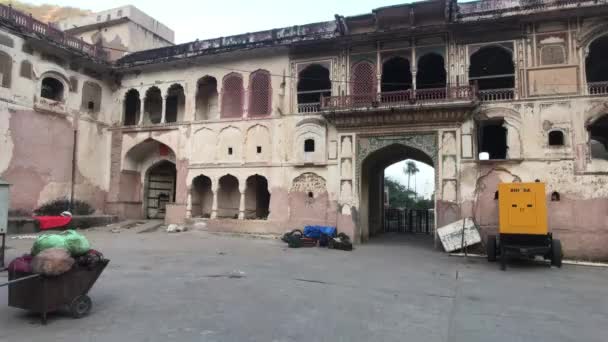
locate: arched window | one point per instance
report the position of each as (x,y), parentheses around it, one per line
(91,97)
(6,69)
(206,98)
(25,70)
(52,89)
(153,105)
(313,82)
(596,66)
(260,94)
(309,145)
(431,72)
(363,83)
(232,96)
(132,108)
(175,104)
(556,138)
(492,69)
(396,74)
(598,138)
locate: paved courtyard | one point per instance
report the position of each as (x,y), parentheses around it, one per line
(197,286)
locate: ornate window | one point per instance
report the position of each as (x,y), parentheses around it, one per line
(232,96)
(260,94)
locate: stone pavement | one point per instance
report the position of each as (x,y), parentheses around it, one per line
(198,286)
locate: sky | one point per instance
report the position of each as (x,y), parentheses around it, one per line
(423,183)
(203,19)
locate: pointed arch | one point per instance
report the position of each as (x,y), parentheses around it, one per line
(232,96)
(260,94)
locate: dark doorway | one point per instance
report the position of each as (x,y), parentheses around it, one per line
(160,189)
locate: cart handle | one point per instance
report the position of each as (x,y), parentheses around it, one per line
(20,279)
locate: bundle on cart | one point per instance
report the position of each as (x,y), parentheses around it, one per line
(58,273)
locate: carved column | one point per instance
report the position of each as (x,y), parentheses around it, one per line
(214,189)
(163,109)
(189,203)
(141,112)
(242,188)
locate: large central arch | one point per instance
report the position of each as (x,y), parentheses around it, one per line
(374,154)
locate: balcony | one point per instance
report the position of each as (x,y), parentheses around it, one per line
(597,88)
(400,99)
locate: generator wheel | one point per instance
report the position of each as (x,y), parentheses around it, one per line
(556,253)
(491,248)
(80,306)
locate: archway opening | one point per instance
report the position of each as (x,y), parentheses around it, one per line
(176,104)
(52,89)
(313,83)
(207,99)
(397,194)
(153,106)
(160,189)
(228,197)
(598,138)
(431,72)
(202,197)
(396,75)
(493,71)
(257,198)
(596,66)
(132,108)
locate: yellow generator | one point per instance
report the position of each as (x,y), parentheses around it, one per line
(523,231)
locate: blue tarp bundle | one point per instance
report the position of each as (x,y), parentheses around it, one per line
(314,232)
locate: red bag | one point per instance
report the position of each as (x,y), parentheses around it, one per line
(22,264)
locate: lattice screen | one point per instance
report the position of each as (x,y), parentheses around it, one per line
(363,79)
(232,96)
(260,95)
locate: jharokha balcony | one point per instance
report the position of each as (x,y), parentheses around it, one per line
(447,104)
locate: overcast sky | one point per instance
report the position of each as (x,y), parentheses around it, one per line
(202,19)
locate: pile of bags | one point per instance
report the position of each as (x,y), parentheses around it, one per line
(321,236)
(55,254)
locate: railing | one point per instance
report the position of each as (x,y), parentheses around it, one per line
(496,94)
(416,221)
(309,107)
(598,88)
(29,24)
(396,98)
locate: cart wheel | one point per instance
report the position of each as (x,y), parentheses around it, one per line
(80,306)
(556,253)
(491,248)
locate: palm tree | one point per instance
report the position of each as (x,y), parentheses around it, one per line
(410,169)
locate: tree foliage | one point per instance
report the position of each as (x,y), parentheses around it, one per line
(400,197)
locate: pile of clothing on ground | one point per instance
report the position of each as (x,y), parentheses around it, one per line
(322,236)
(55,254)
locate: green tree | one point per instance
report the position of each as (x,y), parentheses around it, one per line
(410,169)
(400,197)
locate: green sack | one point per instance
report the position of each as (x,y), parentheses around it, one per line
(46,241)
(76,243)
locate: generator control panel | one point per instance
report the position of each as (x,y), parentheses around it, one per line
(522,208)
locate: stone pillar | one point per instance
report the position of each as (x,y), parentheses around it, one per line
(141,112)
(214,189)
(163,109)
(242,187)
(189,203)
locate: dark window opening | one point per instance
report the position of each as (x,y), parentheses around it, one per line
(492,138)
(309,145)
(596,66)
(91,105)
(496,196)
(153,104)
(176,102)
(431,72)
(313,82)
(132,108)
(310,194)
(91,96)
(492,68)
(259,149)
(206,98)
(229,151)
(555,197)
(556,138)
(52,89)
(598,138)
(6,69)
(396,75)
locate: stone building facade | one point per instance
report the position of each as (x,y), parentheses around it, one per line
(271,130)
